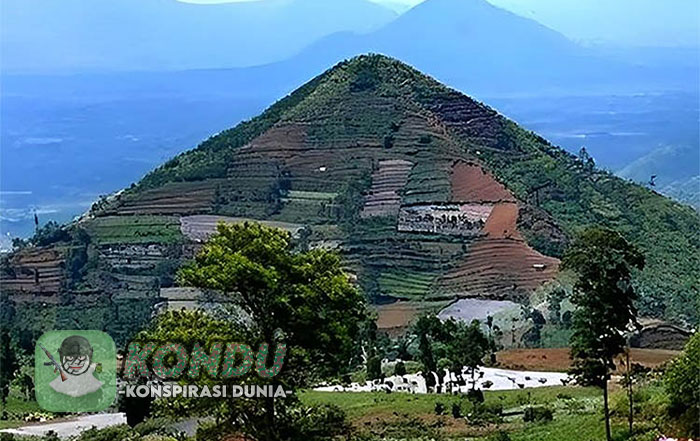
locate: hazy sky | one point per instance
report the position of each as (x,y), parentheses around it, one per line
(619,22)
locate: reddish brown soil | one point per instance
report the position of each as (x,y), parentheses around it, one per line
(500,265)
(395,316)
(501,223)
(172,198)
(500,269)
(281,141)
(557,359)
(470,183)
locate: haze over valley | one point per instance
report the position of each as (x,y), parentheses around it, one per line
(78,127)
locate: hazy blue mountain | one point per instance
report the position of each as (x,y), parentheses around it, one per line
(686,190)
(620,23)
(63,134)
(80,35)
(673,166)
(479,47)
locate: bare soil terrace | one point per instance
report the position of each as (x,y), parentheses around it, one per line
(557,359)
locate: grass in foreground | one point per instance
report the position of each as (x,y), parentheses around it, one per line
(577,414)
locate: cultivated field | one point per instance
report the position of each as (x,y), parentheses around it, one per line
(557,359)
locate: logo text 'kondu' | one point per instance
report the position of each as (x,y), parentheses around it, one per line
(171,360)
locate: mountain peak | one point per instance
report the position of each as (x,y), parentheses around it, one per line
(368,70)
(429,194)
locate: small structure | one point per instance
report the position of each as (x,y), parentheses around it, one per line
(657,334)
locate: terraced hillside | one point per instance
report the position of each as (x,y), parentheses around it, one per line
(429,195)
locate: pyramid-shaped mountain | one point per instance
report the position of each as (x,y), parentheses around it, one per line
(428,194)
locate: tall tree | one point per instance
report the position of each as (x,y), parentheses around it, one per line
(8,361)
(304,300)
(604,298)
(467,348)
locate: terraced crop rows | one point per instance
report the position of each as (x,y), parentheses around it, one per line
(39,271)
(499,269)
(383,198)
(199,228)
(172,198)
(134,229)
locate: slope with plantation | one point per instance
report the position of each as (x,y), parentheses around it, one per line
(428,194)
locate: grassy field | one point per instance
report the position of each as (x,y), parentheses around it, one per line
(16,410)
(577,414)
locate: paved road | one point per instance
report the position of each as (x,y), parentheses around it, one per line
(70,427)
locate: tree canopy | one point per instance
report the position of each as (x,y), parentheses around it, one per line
(302,299)
(305,299)
(604,298)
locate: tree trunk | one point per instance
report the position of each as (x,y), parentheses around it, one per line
(629,393)
(606,411)
(270,419)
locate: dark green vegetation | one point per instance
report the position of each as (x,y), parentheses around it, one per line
(370,126)
(576,416)
(372,109)
(277,296)
(448,344)
(682,383)
(604,296)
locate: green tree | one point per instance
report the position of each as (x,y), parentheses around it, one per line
(604,298)
(374,367)
(453,343)
(303,299)
(682,382)
(467,347)
(554,300)
(8,362)
(425,330)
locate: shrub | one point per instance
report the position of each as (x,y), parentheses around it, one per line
(456,410)
(439,408)
(486,413)
(314,423)
(114,433)
(500,436)
(683,387)
(388,141)
(400,368)
(475,396)
(538,414)
(374,367)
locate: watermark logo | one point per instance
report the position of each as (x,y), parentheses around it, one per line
(75,371)
(170,368)
(171,360)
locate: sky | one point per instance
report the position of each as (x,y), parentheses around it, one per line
(640,23)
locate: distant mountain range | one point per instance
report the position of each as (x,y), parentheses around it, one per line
(470,44)
(674,170)
(103,35)
(617,23)
(475,46)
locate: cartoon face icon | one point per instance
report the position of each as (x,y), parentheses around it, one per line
(76,354)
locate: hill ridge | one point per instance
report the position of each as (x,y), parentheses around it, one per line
(427,193)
